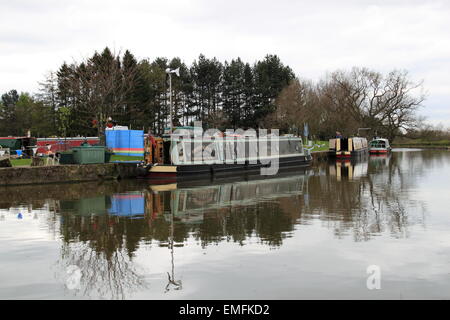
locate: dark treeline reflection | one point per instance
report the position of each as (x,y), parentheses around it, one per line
(233,211)
(102,233)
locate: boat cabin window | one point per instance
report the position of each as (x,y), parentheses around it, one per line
(290,147)
(232,149)
(378,144)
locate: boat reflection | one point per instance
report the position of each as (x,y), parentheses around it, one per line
(349,168)
(188,203)
(100,234)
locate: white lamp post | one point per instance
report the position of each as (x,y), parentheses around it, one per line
(169,72)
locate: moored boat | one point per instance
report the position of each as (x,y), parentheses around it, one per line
(185,156)
(348,147)
(379,146)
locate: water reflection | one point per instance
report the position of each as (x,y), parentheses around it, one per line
(365,198)
(101,233)
(102,226)
(226,211)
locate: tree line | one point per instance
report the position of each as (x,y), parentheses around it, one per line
(357,101)
(80,97)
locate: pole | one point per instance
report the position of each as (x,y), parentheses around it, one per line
(170,103)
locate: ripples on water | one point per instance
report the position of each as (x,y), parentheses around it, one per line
(309,234)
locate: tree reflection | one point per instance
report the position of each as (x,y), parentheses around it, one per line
(102,248)
(101,231)
(367,198)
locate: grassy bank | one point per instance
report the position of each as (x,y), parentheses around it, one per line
(420,143)
(125,158)
(27,162)
(20,162)
(319,146)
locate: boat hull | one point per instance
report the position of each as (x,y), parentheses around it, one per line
(167,173)
(348,154)
(379,151)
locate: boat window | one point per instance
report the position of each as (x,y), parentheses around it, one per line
(230,153)
(290,146)
(211,151)
(378,144)
(332,143)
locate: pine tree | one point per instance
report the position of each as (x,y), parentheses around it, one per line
(207,78)
(271,76)
(233,92)
(8,116)
(48,96)
(248,97)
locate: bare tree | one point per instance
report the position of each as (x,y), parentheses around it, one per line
(100,88)
(365,98)
(295,106)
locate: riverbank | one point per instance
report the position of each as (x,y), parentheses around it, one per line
(421,143)
(114,158)
(27,175)
(420,146)
(66,173)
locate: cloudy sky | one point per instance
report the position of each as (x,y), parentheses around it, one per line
(313,37)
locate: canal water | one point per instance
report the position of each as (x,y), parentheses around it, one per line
(378,228)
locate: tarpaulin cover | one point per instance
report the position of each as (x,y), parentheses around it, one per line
(127,205)
(126,142)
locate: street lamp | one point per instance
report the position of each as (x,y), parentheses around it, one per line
(169,72)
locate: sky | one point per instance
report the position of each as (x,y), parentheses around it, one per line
(312,37)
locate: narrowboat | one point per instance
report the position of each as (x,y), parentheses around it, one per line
(20,146)
(182,156)
(61,144)
(348,147)
(379,145)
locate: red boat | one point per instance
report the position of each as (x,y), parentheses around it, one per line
(379,146)
(62,144)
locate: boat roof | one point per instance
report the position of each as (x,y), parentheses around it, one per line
(15,137)
(348,138)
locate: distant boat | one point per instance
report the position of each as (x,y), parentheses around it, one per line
(347,147)
(379,145)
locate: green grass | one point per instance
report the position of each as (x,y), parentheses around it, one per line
(319,146)
(27,162)
(20,162)
(125,158)
(422,142)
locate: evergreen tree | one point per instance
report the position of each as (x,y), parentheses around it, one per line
(181,93)
(207,80)
(130,113)
(48,96)
(8,116)
(248,97)
(233,92)
(84,95)
(270,76)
